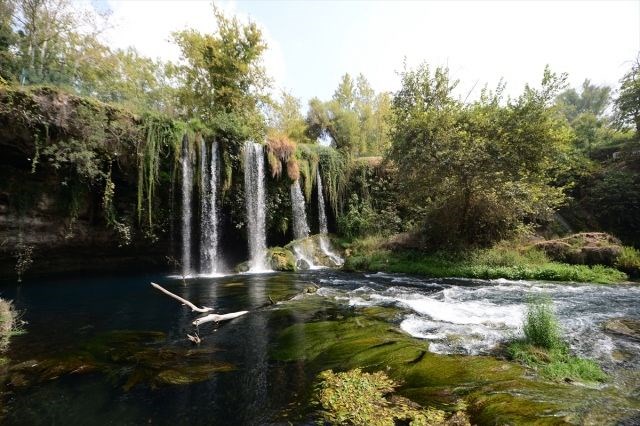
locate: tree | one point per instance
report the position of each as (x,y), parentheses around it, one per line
(628,101)
(8,38)
(474,173)
(221,79)
(591,99)
(354,119)
(287,119)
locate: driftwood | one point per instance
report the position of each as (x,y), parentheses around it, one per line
(202,320)
(218,318)
(184,301)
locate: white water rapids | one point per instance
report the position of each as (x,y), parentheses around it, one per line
(474,317)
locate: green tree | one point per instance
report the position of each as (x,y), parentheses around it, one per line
(287,119)
(591,99)
(8,39)
(221,79)
(628,101)
(473,173)
(354,119)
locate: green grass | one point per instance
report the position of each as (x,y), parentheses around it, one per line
(499,262)
(629,261)
(556,364)
(543,350)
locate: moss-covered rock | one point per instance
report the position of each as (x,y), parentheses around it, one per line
(281,259)
(588,248)
(496,391)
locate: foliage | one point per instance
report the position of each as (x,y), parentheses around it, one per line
(629,261)
(614,200)
(544,350)
(556,364)
(628,100)
(355,120)
(540,326)
(592,100)
(358,398)
(287,120)
(473,174)
(221,81)
(162,138)
(373,254)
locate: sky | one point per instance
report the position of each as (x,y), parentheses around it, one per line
(313,43)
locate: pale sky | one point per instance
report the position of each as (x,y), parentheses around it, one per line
(312,43)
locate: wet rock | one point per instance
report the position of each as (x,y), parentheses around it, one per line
(625,327)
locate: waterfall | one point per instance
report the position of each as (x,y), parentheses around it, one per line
(187,188)
(300,227)
(254,194)
(213,209)
(208,209)
(322,215)
(325,244)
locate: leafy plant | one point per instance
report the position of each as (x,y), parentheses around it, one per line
(541,326)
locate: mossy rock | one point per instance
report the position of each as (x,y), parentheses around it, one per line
(497,391)
(587,248)
(281,259)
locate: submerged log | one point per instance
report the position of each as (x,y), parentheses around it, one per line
(184,301)
(218,318)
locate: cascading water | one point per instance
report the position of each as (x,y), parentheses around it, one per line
(208,209)
(300,226)
(187,188)
(325,245)
(254,193)
(322,215)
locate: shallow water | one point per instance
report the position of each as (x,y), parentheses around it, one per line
(128,384)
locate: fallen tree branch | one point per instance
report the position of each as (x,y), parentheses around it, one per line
(218,318)
(184,301)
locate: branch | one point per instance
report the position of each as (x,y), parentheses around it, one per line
(184,301)
(218,318)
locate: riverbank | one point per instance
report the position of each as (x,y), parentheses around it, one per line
(371,255)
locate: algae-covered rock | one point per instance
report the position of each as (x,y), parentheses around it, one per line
(128,358)
(626,327)
(281,259)
(497,391)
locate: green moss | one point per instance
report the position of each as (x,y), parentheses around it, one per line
(281,259)
(493,388)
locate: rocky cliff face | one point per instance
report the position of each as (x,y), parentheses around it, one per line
(57,154)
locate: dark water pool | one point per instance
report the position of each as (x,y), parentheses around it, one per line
(117,343)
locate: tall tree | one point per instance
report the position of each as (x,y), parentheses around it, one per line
(221,79)
(473,173)
(628,101)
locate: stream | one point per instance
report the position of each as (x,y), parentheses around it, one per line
(112,350)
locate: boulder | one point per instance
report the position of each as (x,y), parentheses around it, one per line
(587,248)
(281,259)
(625,327)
